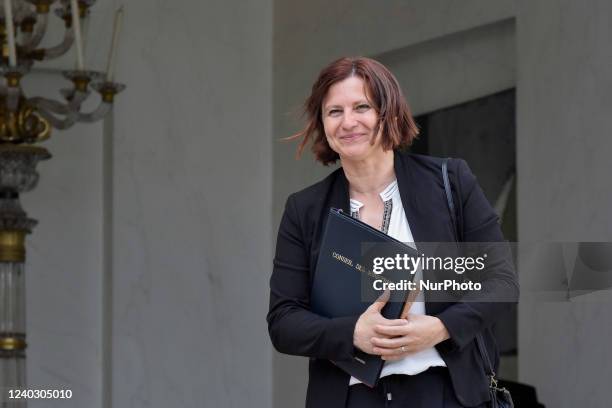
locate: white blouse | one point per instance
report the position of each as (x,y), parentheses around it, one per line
(396,226)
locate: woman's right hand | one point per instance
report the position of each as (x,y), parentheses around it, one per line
(364,329)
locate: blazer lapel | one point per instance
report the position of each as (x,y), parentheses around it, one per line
(410,186)
(339,194)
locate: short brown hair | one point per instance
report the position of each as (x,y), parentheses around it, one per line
(398,126)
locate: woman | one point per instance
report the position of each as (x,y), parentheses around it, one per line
(358,115)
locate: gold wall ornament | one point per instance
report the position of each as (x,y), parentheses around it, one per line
(12,245)
(26,125)
(12,343)
(32,125)
(43,6)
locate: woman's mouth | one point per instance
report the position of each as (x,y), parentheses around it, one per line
(350,137)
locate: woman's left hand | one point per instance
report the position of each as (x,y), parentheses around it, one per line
(420,332)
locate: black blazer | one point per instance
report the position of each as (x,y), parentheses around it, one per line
(295,330)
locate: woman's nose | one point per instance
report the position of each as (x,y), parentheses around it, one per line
(349,120)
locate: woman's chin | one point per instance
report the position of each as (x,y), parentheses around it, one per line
(356,153)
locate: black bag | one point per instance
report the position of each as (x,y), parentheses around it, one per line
(500,397)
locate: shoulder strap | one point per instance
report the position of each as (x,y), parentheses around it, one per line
(451,207)
(449,197)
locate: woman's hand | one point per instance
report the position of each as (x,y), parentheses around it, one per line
(368,321)
(418,332)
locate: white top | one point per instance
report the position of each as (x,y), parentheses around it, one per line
(399,229)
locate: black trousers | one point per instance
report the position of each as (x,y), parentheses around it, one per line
(429,389)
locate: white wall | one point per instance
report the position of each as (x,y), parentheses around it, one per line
(456,68)
(192,188)
(564,190)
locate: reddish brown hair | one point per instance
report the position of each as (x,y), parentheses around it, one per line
(398,127)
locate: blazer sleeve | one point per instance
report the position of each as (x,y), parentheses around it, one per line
(293,328)
(500,290)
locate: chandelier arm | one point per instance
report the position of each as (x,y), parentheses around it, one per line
(50,105)
(97,114)
(49,108)
(78,98)
(73,105)
(61,124)
(40,28)
(61,48)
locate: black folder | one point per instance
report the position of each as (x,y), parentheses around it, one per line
(343,281)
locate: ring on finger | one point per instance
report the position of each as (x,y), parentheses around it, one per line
(403,349)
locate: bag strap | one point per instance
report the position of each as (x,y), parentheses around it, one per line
(451,207)
(449,198)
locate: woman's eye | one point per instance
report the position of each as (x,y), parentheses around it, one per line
(362,108)
(334,112)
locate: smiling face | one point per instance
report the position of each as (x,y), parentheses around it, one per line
(350,120)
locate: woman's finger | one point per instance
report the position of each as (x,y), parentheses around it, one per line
(393,330)
(392,352)
(385,352)
(394,343)
(393,322)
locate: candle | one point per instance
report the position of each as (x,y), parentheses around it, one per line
(10,32)
(110,67)
(85,35)
(76,25)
